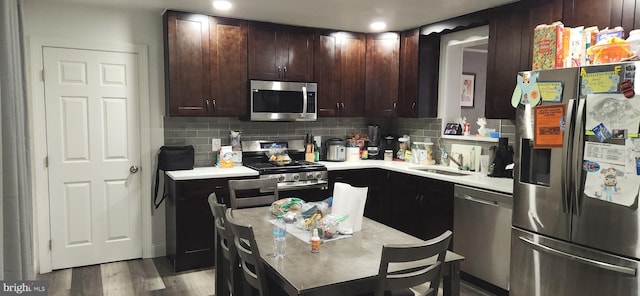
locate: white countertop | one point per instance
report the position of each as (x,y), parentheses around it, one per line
(472,179)
(479,180)
(211,173)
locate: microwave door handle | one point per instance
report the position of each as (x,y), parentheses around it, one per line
(304,101)
(566,153)
(577,147)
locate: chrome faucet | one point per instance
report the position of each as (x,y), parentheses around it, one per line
(459,162)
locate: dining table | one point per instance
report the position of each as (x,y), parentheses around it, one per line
(347,266)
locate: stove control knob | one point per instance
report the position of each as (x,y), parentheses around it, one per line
(310,176)
(318,175)
(296,177)
(281,178)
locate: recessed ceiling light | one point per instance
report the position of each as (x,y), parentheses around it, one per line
(222,5)
(378,26)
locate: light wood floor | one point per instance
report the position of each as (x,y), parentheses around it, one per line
(146,277)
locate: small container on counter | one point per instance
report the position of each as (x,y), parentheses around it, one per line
(315,241)
(388,155)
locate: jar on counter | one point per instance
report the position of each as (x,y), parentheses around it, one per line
(388,155)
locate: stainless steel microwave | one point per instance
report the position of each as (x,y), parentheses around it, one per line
(283,101)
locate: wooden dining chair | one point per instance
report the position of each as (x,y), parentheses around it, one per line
(229,268)
(247,248)
(252,192)
(403,267)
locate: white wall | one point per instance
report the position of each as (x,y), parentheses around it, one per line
(102,25)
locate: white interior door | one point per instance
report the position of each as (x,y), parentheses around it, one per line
(93,144)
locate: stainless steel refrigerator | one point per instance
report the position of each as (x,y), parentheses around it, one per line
(569,236)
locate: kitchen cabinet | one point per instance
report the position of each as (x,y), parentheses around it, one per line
(510,42)
(279,52)
(381,73)
(601,13)
(205,65)
(339,72)
(189,221)
(422,207)
(376,207)
(408,76)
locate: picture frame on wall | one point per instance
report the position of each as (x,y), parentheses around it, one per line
(467,89)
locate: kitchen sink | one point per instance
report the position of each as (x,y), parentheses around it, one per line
(441,171)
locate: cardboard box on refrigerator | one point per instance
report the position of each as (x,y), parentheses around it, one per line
(550,46)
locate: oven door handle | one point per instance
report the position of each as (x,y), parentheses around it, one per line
(297,186)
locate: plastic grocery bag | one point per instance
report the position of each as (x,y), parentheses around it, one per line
(349,200)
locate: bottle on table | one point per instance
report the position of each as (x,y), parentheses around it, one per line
(315,241)
(279,238)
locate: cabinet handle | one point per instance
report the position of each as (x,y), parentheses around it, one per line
(214,105)
(413,106)
(279,71)
(206,105)
(218,187)
(342,106)
(395,106)
(338,106)
(285,72)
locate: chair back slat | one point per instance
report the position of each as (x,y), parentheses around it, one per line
(263,192)
(226,242)
(409,265)
(247,248)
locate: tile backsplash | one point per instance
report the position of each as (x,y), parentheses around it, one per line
(198,131)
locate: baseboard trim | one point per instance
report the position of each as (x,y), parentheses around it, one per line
(159,251)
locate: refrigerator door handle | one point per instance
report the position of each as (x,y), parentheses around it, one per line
(576,157)
(598,264)
(566,153)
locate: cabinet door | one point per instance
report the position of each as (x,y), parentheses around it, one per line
(352,69)
(381,87)
(263,51)
(339,72)
(327,73)
(429,75)
(187,63)
(404,194)
(601,13)
(436,208)
(408,92)
(503,62)
(228,67)
(296,53)
(371,178)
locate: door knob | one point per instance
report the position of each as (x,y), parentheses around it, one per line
(133,169)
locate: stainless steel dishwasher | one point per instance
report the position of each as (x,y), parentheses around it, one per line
(482,233)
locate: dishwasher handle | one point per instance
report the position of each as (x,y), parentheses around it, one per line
(480,201)
(483,196)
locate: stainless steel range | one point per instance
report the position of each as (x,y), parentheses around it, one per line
(297,175)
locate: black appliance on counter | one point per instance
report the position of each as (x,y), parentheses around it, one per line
(391,143)
(299,178)
(501,160)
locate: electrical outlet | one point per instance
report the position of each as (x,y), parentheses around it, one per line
(318,140)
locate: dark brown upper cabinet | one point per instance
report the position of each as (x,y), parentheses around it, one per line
(510,50)
(408,83)
(205,65)
(382,66)
(279,52)
(339,72)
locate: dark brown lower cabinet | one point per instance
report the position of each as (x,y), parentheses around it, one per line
(375,207)
(189,222)
(422,207)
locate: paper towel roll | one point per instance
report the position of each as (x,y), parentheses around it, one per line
(353,153)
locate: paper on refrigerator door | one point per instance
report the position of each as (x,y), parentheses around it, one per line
(611,173)
(615,111)
(349,200)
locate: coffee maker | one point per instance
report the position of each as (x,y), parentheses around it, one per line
(373,147)
(391,143)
